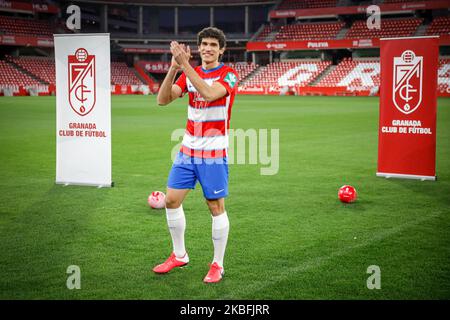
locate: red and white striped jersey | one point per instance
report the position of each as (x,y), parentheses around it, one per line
(208,123)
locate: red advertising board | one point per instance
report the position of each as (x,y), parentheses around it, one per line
(13,40)
(20,6)
(312,44)
(323,44)
(408,98)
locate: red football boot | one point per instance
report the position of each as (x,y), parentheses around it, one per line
(215,273)
(170,263)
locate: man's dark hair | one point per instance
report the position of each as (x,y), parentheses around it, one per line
(212,32)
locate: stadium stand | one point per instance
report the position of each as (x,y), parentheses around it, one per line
(243,69)
(122,75)
(12,76)
(439,26)
(400,1)
(262,36)
(444,75)
(41,67)
(402,27)
(355,74)
(306,4)
(25,26)
(191,2)
(288,73)
(310,31)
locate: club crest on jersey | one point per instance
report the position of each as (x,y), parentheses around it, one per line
(231,79)
(407,84)
(82,86)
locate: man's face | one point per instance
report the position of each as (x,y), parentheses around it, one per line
(210,50)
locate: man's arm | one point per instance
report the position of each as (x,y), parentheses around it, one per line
(209,93)
(168,90)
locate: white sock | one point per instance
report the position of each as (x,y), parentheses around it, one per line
(220,228)
(177,224)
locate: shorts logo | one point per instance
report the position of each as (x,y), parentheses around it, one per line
(82,87)
(407,84)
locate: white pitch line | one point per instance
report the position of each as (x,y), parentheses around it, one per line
(314,263)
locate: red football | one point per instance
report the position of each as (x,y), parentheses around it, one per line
(347,194)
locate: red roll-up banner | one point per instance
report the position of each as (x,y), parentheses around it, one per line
(408,98)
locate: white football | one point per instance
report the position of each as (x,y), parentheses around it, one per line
(157,200)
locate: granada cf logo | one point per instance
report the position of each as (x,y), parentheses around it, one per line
(407,90)
(81,81)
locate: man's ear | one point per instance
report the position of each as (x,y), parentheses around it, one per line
(221,51)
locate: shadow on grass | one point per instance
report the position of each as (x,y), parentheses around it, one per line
(437,190)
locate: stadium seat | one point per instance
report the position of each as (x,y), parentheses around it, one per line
(293,73)
(306,4)
(25,26)
(242,68)
(402,27)
(307,31)
(357,75)
(400,1)
(262,36)
(41,67)
(439,26)
(444,75)
(10,75)
(122,75)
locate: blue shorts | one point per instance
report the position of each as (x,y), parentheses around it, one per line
(211,173)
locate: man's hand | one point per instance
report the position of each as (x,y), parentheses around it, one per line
(180,54)
(174,64)
(168,90)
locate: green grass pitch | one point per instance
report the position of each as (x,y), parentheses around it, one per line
(290,237)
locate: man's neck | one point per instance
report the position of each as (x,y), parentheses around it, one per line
(212,65)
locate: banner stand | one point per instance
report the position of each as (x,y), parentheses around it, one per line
(408,108)
(65,184)
(83,109)
(406,176)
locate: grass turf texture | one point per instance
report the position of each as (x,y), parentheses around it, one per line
(290,237)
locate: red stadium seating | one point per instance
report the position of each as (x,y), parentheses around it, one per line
(364,74)
(265,32)
(44,69)
(288,73)
(243,69)
(401,1)
(439,26)
(305,4)
(307,31)
(41,67)
(400,27)
(27,27)
(444,75)
(358,74)
(389,28)
(10,75)
(122,75)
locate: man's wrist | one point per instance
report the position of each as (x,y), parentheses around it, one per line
(174,69)
(185,65)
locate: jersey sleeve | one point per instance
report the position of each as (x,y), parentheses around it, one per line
(229,79)
(181,82)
